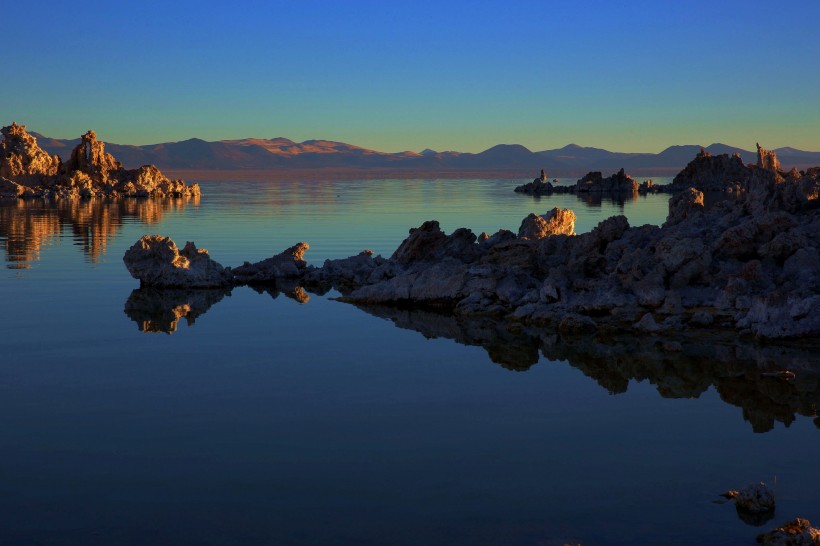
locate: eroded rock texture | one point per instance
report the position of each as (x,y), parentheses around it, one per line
(26,171)
(156,261)
(797,532)
(750,263)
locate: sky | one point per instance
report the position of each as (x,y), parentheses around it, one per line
(628,76)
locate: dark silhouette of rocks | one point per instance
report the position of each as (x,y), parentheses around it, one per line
(679,365)
(592,182)
(27,172)
(158,310)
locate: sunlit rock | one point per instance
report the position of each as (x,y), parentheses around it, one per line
(797,532)
(288,264)
(767,160)
(89,172)
(555,222)
(156,261)
(21,159)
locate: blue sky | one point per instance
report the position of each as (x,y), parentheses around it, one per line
(626,76)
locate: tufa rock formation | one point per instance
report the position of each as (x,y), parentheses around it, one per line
(767,160)
(156,261)
(593,182)
(21,160)
(750,263)
(26,171)
(797,532)
(753,499)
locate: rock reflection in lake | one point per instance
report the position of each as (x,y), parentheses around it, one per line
(291,290)
(158,310)
(745,375)
(27,225)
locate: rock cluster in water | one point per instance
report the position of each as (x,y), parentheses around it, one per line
(750,263)
(593,182)
(26,171)
(797,532)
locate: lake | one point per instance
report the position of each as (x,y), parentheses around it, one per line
(275,418)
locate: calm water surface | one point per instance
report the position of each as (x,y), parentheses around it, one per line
(273,421)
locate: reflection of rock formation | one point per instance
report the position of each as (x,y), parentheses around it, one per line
(159,309)
(25,225)
(741,372)
(289,289)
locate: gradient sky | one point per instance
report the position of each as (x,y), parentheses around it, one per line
(626,76)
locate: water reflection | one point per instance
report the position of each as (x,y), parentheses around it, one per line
(158,310)
(744,374)
(598,199)
(26,226)
(291,290)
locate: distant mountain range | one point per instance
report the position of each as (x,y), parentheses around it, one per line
(507,159)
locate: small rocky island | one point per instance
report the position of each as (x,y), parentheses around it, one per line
(28,172)
(749,264)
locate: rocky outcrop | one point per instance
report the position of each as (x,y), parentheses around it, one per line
(750,263)
(711,173)
(593,182)
(90,172)
(289,264)
(724,173)
(156,261)
(555,222)
(22,161)
(767,160)
(616,183)
(797,532)
(756,498)
(539,187)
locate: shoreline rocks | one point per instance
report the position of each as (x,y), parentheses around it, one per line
(796,532)
(594,182)
(750,263)
(28,172)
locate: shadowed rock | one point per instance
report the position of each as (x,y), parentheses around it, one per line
(288,264)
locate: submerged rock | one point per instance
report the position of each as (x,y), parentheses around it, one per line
(756,498)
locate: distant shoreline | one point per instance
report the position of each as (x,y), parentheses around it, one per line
(353,174)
